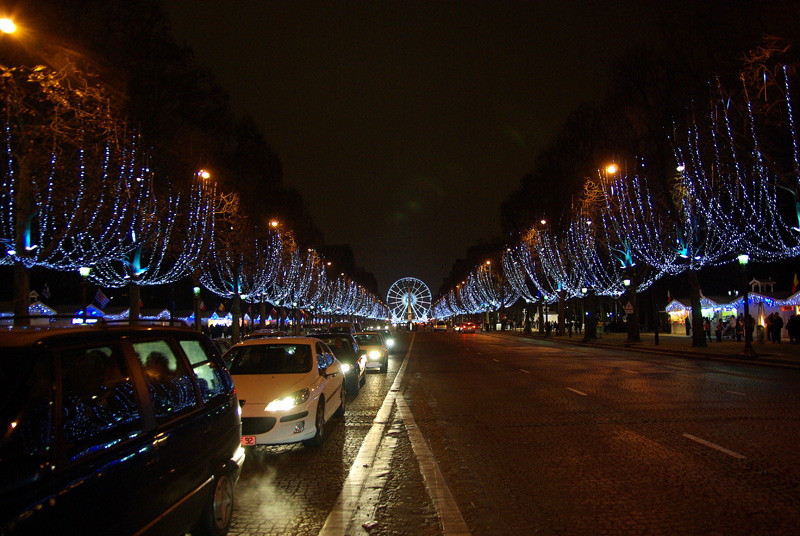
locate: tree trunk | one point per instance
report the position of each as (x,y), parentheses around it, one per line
(561,312)
(22,291)
(134,311)
(541,317)
(633,319)
(698,333)
(590,320)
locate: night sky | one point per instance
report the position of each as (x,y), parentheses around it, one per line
(404,125)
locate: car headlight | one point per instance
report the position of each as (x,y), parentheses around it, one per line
(374,354)
(390,342)
(294,399)
(345,367)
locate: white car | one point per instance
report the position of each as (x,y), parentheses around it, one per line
(288,389)
(440,326)
(372,344)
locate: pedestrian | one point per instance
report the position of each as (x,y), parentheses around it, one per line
(707,328)
(790,328)
(688,327)
(739,328)
(718,329)
(578,325)
(768,322)
(777,326)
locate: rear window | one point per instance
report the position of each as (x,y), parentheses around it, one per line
(269,359)
(369,340)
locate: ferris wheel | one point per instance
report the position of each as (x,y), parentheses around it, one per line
(409,300)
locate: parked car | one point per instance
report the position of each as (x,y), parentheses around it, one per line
(377,352)
(264,333)
(352,359)
(289,388)
(468,327)
(440,326)
(116,429)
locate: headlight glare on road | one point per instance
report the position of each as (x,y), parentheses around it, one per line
(294,399)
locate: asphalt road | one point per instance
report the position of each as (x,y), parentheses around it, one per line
(496,434)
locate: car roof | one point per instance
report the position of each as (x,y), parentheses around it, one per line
(22,337)
(279,340)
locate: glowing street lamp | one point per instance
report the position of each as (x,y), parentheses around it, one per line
(7,26)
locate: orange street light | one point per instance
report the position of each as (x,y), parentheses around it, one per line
(612,168)
(7,26)
(274,223)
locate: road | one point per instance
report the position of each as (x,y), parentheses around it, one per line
(495,433)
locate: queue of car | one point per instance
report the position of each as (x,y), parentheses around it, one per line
(157,406)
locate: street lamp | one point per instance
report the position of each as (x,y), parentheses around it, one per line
(748,325)
(196,299)
(7,26)
(84,271)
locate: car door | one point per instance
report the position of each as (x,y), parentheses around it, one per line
(182,435)
(333,379)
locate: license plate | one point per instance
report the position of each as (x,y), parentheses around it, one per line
(248,441)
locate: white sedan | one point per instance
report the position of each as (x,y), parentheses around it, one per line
(288,388)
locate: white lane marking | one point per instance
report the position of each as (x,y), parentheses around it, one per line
(576,391)
(736,393)
(523,370)
(452,521)
(715,446)
(344,510)
(629,370)
(495,360)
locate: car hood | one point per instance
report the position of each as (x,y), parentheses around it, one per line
(264,388)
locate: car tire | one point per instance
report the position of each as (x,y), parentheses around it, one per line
(354,386)
(319,424)
(385,366)
(217,515)
(363,379)
(343,401)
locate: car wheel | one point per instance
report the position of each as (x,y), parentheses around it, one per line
(385,366)
(215,520)
(319,424)
(343,401)
(363,379)
(354,386)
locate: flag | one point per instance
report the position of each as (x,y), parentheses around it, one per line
(794,285)
(202,305)
(46,290)
(222,307)
(101,298)
(669,298)
(273,313)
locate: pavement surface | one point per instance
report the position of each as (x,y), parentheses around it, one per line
(781,354)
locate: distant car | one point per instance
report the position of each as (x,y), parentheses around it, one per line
(264,333)
(388,338)
(289,388)
(342,327)
(116,430)
(468,327)
(350,356)
(440,326)
(377,352)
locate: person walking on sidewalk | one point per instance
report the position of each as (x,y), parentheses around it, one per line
(718,329)
(707,328)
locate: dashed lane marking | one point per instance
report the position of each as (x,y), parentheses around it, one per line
(495,360)
(525,371)
(736,393)
(576,391)
(715,446)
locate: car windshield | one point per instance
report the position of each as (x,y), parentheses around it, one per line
(338,344)
(269,359)
(368,339)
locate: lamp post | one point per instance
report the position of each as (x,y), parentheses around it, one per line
(748,351)
(84,271)
(196,300)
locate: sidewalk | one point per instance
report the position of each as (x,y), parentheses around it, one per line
(783,354)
